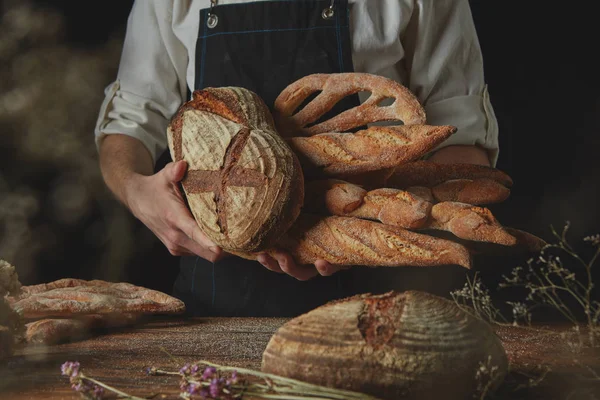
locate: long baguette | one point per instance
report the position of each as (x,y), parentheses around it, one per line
(469,222)
(428,173)
(353,242)
(372,149)
(471,191)
(389,206)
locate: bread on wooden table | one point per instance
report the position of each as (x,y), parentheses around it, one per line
(410,345)
(372,149)
(244,184)
(352,241)
(69,297)
(478,191)
(389,206)
(333,88)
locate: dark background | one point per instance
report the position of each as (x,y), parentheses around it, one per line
(543,82)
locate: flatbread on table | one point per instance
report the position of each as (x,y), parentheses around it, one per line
(69,297)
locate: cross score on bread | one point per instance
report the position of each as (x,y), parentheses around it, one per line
(244,184)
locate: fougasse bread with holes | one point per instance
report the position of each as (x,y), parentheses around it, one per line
(244,184)
(292,121)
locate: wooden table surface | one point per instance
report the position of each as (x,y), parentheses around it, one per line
(118,358)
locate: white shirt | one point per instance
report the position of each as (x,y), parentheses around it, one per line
(430,46)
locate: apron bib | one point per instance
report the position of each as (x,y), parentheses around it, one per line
(265,46)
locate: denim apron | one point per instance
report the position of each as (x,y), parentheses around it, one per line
(265,46)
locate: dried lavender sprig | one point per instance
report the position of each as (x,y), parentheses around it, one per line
(76,377)
(308,388)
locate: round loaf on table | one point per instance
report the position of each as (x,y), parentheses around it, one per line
(410,345)
(244,184)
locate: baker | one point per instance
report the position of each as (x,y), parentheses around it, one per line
(174,47)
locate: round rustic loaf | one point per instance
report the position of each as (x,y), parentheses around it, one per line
(410,345)
(244,184)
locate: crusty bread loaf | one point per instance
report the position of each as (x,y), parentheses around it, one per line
(469,222)
(428,173)
(372,149)
(408,346)
(352,241)
(389,206)
(244,184)
(333,88)
(471,191)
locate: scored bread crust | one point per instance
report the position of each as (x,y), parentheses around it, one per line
(333,88)
(469,222)
(350,241)
(371,149)
(244,184)
(389,206)
(69,297)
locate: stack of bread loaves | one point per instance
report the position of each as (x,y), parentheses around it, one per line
(371,199)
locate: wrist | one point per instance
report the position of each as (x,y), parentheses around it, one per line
(133,185)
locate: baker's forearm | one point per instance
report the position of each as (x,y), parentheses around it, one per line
(123,159)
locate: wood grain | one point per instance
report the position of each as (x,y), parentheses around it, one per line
(117,357)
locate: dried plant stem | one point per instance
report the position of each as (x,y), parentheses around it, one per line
(302,389)
(110,388)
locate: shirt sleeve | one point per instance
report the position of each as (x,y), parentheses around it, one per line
(444,67)
(150,83)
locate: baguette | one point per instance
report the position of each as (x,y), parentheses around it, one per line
(469,222)
(371,149)
(389,206)
(333,88)
(428,173)
(471,191)
(349,241)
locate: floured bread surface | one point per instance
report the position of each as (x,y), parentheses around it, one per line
(244,184)
(72,297)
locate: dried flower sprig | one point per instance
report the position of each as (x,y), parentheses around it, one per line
(475,299)
(486,376)
(551,281)
(204,374)
(88,387)
(206,380)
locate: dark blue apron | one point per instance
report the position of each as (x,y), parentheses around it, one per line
(264,46)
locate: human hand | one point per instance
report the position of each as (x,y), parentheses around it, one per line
(283,263)
(157,201)
(461,155)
